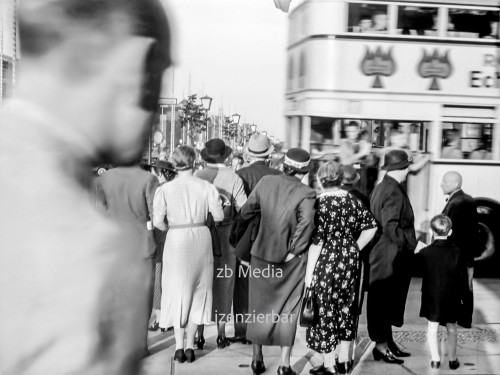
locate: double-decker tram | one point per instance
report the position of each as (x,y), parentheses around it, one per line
(422,75)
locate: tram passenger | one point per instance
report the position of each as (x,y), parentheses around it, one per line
(482,152)
(451,145)
(365,24)
(76,284)
(353,148)
(379,20)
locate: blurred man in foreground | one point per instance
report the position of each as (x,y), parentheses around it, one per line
(72,286)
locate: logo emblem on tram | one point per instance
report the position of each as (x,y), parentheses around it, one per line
(434,65)
(378,64)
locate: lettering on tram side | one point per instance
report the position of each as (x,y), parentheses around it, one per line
(378,64)
(433,65)
(480,78)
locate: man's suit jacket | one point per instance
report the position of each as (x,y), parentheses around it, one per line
(286,207)
(243,235)
(127,194)
(461,209)
(394,244)
(252,174)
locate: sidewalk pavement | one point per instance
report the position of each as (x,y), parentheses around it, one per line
(478,348)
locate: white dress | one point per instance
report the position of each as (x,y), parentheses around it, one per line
(187,258)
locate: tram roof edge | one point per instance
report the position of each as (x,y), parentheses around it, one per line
(297,4)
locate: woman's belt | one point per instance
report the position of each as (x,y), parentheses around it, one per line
(184,226)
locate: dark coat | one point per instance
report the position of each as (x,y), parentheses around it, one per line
(243,235)
(287,211)
(461,209)
(126,194)
(394,244)
(443,272)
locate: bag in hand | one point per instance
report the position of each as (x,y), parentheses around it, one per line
(210,223)
(308,309)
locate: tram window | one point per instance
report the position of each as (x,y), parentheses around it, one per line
(414,20)
(367,18)
(467,141)
(465,23)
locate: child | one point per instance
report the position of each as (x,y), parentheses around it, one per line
(441,298)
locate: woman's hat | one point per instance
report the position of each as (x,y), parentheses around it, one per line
(258,146)
(351,176)
(396,159)
(299,160)
(216,151)
(163,164)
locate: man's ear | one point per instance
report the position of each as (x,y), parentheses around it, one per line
(450,232)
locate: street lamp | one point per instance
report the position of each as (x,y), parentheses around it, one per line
(206,103)
(264,132)
(253,128)
(235,119)
(271,138)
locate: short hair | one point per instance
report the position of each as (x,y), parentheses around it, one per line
(184,157)
(330,174)
(441,225)
(43,25)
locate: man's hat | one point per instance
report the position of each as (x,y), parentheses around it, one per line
(258,146)
(216,151)
(350,175)
(396,159)
(299,160)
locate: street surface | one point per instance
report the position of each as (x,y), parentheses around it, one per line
(478,351)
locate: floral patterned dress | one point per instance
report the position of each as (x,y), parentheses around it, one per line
(339,216)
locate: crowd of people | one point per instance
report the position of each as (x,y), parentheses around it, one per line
(267,219)
(83,267)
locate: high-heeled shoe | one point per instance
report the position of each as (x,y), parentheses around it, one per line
(454,364)
(180,356)
(396,350)
(284,370)
(222,342)
(154,327)
(344,367)
(435,364)
(200,342)
(190,355)
(387,357)
(258,367)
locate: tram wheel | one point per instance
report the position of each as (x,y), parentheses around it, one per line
(487,260)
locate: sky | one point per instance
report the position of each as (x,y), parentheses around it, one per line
(233,51)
